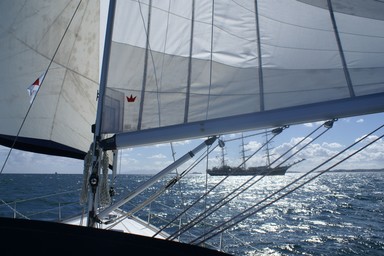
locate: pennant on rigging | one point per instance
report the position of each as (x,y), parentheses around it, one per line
(34,87)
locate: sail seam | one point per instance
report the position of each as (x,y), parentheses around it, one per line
(341,51)
(66,73)
(187,96)
(261,80)
(141,110)
(104,71)
(162,62)
(211,60)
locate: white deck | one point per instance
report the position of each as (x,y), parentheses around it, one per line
(131,225)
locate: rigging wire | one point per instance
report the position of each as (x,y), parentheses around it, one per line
(175,234)
(8,204)
(248,212)
(13,209)
(327,124)
(182,175)
(239,190)
(37,92)
(246,136)
(177,172)
(206,188)
(158,193)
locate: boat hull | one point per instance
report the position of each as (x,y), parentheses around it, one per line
(47,238)
(251,171)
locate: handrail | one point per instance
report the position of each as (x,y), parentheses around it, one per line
(12,205)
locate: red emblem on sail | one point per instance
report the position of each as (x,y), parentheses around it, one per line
(33,88)
(37,82)
(131,98)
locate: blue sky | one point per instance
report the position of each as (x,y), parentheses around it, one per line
(152,159)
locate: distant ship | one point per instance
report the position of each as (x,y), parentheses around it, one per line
(258,170)
(267,170)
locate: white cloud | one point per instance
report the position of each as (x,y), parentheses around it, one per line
(332,145)
(157,156)
(252,145)
(366,138)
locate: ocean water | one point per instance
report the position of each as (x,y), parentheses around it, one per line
(336,214)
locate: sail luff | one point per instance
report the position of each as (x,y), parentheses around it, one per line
(104,69)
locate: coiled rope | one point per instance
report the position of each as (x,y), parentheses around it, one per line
(105,198)
(86,173)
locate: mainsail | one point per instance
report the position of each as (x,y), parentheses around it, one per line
(186,69)
(61,39)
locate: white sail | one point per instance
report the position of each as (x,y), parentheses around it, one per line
(197,68)
(190,68)
(60,118)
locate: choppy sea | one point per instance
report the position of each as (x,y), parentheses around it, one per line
(337,214)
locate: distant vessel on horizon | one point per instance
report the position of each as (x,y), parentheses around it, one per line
(267,170)
(238,171)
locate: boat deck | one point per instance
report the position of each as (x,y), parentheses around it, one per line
(130,225)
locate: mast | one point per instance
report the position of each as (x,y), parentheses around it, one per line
(94,177)
(222,156)
(243,151)
(267,150)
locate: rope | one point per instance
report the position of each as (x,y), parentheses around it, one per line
(105,198)
(86,173)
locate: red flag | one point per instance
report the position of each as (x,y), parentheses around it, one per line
(34,87)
